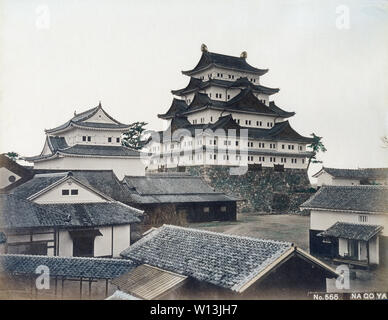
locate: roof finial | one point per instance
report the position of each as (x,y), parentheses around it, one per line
(244,55)
(203,47)
(75,113)
(99,103)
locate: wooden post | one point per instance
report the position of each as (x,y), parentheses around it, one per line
(106,288)
(63,281)
(90,287)
(367,252)
(80,289)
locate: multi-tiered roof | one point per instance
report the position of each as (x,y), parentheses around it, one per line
(94,119)
(244,102)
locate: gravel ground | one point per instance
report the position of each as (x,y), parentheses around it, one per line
(292,228)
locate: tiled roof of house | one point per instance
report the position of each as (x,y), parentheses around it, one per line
(362,173)
(3,238)
(209,59)
(223,260)
(352,231)
(70,267)
(24,173)
(368,199)
(16,212)
(166,188)
(104,181)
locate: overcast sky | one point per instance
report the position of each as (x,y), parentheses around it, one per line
(60,56)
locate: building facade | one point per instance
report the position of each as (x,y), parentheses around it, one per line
(224,116)
(349,223)
(185,263)
(60,214)
(89,140)
(351,177)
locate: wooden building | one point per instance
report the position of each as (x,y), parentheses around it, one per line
(59,214)
(351,177)
(183,263)
(177,198)
(68,277)
(349,224)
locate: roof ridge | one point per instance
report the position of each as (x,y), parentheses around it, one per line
(65,257)
(225,234)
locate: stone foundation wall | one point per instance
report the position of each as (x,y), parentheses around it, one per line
(264,191)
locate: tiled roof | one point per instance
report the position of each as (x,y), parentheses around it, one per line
(224,61)
(362,173)
(70,267)
(177,106)
(3,238)
(90,150)
(13,166)
(280,131)
(197,84)
(368,199)
(351,231)
(38,183)
(245,101)
(243,82)
(79,120)
(223,260)
(16,212)
(176,188)
(100,150)
(104,181)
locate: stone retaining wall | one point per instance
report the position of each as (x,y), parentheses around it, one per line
(264,191)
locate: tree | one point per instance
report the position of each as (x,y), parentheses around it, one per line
(12,155)
(316,146)
(132,138)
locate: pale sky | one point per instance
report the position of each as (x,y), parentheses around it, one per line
(60,56)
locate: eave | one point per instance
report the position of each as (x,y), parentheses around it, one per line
(196,71)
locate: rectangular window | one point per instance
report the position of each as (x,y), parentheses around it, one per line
(74,192)
(89,138)
(206,209)
(117,140)
(83,138)
(83,247)
(223,208)
(362,218)
(109,139)
(65,192)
